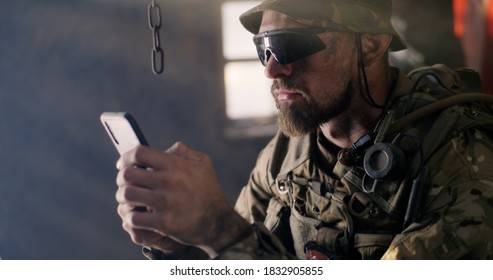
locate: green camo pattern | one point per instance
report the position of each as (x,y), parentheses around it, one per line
(459,205)
(457,221)
(457,217)
(367,16)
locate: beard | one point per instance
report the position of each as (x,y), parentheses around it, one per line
(304,115)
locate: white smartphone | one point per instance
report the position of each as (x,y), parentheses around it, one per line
(123,131)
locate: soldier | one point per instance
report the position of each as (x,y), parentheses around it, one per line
(368,164)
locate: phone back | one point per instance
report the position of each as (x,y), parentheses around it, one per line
(123,131)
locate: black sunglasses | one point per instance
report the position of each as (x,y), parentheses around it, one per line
(288,45)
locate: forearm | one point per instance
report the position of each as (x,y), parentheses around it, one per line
(228,229)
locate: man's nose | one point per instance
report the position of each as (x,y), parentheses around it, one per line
(273,68)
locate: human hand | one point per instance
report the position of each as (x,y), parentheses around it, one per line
(149,238)
(182,198)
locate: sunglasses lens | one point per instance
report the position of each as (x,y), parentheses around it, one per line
(259,44)
(287,47)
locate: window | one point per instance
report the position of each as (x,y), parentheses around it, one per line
(249,105)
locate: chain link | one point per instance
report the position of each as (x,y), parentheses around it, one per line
(157,55)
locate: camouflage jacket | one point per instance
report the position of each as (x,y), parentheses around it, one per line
(301,192)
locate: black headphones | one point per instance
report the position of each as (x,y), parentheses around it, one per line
(381,161)
(388,162)
(385,161)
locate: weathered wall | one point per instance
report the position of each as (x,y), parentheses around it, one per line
(62,63)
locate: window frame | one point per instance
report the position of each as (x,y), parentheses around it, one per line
(245,126)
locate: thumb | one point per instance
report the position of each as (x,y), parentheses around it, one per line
(182,150)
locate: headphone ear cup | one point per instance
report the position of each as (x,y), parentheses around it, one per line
(384,161)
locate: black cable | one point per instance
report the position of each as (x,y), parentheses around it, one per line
(415,87)
(416,195)
(363,71)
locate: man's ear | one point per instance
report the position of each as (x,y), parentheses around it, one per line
(374,47)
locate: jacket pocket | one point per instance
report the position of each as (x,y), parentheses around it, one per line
(277,222)
(303,229)
(372,246)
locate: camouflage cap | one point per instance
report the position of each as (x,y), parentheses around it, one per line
(361,16)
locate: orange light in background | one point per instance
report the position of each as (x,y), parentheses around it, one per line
(460,7)
(488,50)
(489,19)
(479,45)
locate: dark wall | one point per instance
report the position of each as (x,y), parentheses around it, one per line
(62,63)
(429,28)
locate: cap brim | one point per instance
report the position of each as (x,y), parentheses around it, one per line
(251,20)
(397,43)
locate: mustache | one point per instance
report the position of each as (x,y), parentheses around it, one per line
(289,86)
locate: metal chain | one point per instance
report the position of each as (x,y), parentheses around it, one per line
(157,55)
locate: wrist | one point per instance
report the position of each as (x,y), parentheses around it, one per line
(188,253)
(227,232)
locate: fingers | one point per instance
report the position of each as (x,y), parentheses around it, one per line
(132,220)
(157,160)
(133,197)
(149,189)
(140,220)
(141,236)
(182,150)
(137,177)
(155,240)
(141,156)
